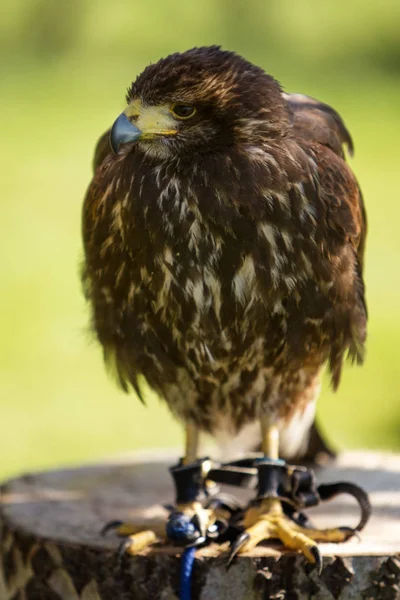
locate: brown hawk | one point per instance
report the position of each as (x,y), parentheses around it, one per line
(224,239)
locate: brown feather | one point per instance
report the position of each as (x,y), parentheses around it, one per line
(318,122)
(227,269)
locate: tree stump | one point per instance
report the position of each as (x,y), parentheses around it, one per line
(51,547)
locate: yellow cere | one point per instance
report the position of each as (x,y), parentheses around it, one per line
(151,120)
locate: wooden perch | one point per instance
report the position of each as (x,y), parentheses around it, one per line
(51,547)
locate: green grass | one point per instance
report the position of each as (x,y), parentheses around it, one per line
(56,404)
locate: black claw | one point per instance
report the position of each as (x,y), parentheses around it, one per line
(199,542)
(235,547)
(318,558)
(109,526)
(122,548)
(350,532)
(356,534)
(196,522)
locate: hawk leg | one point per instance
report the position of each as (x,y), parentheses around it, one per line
(281,491)
(198,516)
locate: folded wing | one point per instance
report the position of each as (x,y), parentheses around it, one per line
(318,122)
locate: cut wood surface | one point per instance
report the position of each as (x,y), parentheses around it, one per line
(51,547)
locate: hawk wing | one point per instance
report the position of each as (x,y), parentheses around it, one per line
(318,122)
(323,127)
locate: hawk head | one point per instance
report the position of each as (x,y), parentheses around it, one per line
(203,100)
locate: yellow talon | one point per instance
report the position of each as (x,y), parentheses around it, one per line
(140,541)
(295,539)
(136,540)
(268,521)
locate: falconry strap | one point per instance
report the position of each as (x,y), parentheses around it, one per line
(294,485)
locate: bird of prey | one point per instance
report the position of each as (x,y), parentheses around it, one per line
(223,238)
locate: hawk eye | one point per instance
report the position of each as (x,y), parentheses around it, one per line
(183,111)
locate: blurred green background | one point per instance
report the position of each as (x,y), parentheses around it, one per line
(64,69)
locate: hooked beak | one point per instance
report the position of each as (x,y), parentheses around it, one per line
(123,132)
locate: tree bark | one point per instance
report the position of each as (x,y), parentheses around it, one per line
(51,547)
